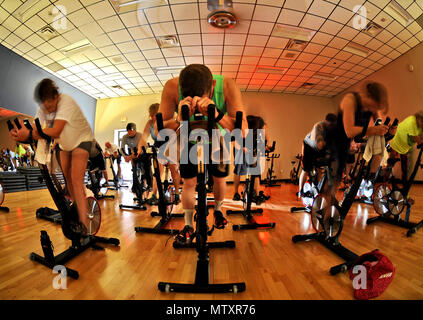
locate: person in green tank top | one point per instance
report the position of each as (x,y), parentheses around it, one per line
(197,88)
(409,132)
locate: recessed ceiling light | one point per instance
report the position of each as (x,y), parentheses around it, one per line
(399,13)
(272,70)
(290,32)
(357,49)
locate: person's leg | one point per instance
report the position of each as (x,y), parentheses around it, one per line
(64,160)
(302,181)
(188,199)
(404,168)
(106,176)
(237,180)
(176,178)
(78,165)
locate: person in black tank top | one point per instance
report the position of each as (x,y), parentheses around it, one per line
(356,111)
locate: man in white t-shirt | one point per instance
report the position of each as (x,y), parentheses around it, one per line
(63,120)
(112,150)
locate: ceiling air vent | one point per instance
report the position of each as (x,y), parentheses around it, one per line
(307,85)
(47,33)
(288,54)
(372,29)
(168,41)
(297,45)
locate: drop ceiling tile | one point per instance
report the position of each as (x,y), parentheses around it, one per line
(188,26)
(57,55)
(414,28)
(24,47)
(341,15)
(394,27)
(322,38)
(338,43)
(163,29)
(212,39)
(321,8)
(175,61)
(59,42)
(268,61)
(134,56)
(141,32)
(157,63)
(80,17)
(374,44)
(284,63)
(331,27)
(11,23)
(158,14)
(212,50)
(112,23)
(210,60)
(265,13)
(192,50)
(348,33)
(227,59)
(93,54)
(256,40)
(404,35)
(180,11)
(133,18)
(312,22)
(306,57)
(329,52)
(100,41)
(192,60)
(414,10)
(146,44)
(290,17)
(302,5)
(103,62)
(101,10)
(403,48)
(172,52)
(235,39)
(140,65)
(73,36)
(394,42)
(412,42)
(124,67)
(384,36)
(276,42)
(272,53)
(261,28)
(127,47)
(4,32)
(152,54)
(91,29)
(313,48)
(120,36)
(109,51)
(253,51)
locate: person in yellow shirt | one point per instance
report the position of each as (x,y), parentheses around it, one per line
(409,132)
(20,153)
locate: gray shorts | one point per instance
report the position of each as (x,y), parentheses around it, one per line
(91,147)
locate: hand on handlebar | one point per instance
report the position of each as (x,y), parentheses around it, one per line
(21,134)
(379,130)
(187,101)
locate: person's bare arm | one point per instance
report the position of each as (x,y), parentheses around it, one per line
(234,103)
(145,135)
(348,106)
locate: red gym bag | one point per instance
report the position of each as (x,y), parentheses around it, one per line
(371,274)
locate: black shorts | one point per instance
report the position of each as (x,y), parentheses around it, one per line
(351,158)
(190,170)
(98,162)
(118,159)
(309,155)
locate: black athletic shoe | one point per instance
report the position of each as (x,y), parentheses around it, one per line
(153,201)
(177,199)
(236,197)
(219,220)
(185,236)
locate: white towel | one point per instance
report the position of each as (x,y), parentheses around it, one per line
(376,145)
(42,155)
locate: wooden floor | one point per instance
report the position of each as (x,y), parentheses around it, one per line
(270,264)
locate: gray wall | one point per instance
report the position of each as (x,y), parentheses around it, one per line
(18,78)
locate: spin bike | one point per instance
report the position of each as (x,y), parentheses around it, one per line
(295,171)
(166,195)
(96,178)
(328,217)
(314,186)
(116,183)
(389,202)
(70,218)
(2,192)
(202,278)
(270,178)
(247,199)
(140,184)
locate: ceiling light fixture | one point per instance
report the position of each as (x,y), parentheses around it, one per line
(357,49)
(325,76)
(77,47)
(122,6)
(397,12)
(169,69)
(272,70)
(26,10)
(290,32)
